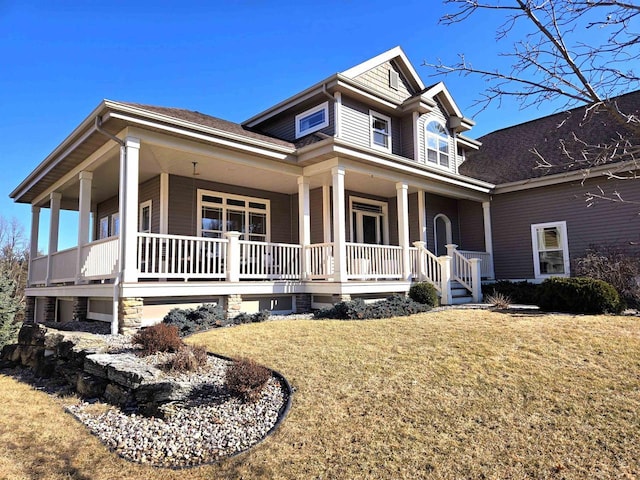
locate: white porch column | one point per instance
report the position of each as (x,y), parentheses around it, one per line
(33,245)
(326,213)
(304,223)
(476,282)
(54,228)
(84,218)
(403,227)
(128,195)
(488,237)
(339,226)
(445,279)
(164,203)
(422,217)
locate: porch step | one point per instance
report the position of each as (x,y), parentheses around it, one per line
(459,294)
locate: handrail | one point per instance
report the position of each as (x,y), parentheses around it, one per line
(462,270)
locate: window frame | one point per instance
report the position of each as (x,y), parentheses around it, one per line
(564,248)
(247,211)
(114,225)
(143,205)
(323,107)
(355,232)
(438,138)
(375,115)
(103,227)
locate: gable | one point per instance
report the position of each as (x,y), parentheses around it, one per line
(378,79)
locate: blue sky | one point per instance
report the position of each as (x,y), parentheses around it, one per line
(227,59)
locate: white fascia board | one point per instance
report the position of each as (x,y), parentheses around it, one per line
(192,289)
(190,146)
(292,101)
(469,142)
(87,290)
(210,136)
(395,53)
(440,89)
(195,126)
(59,152)
(565,177)
(339,147)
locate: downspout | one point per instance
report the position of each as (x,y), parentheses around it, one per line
(116,282)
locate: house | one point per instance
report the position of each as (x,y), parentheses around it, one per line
(350,188)
(546,206)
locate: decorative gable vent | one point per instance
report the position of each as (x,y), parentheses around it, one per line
(394,79)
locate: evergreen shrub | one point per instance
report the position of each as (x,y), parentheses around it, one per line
(424,292)
(578,295)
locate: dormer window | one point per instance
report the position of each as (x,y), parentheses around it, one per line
(380,131)
(312,120)
(437,144)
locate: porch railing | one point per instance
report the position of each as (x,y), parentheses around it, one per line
(366,261)
(99,259)
(486,265)
(273,261)
(38,270)
(177,256)
(320,261)
(63,265)
(462,271)
(426,266)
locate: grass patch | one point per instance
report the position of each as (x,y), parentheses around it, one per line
(453,394)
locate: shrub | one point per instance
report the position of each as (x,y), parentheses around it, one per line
(158,338)
(394,306)
(189,320)
(261,316)
(243,317)
(578,295)
(246,379)
(615,267)
(518,292)
(190,358)
(424,292)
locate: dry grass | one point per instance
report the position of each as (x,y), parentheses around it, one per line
(455,394)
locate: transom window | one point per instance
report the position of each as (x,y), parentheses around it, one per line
(437,144)
(380,131)
(312,120)
(223,212)
(550,249)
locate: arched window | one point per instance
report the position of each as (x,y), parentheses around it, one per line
(437,144)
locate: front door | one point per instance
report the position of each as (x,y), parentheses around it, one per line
(369,230)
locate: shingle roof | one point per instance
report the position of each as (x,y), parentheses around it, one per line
(212,122)
(507,155)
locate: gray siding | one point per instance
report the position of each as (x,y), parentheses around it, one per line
(284,125)
(183,204)
(604,223)
(471,225)
(436,204)
(378,79)
(406,128)
(414,225)
(105,209)
(355,126)
(150,190)
(315,200)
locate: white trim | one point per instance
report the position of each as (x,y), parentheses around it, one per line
(564,246)
(224,207)
(104,220)
(143,205)
(448,233)
(379,116)
(355,231)
(337,114)
(323,107)
(115,221)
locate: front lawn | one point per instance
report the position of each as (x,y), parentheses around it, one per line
(453,394)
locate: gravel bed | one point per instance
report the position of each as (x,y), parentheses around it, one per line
(209,426)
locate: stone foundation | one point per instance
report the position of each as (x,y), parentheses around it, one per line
(232,305)
(303,302)
(80,305)
(49,309)
(340,298)
(129,315)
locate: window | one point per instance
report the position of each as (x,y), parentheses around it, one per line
(144,217)
(437,143)
(550,249)
(115,224)
(380,131)
(223,212)
(312,120)
(368,221)
(103,232)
